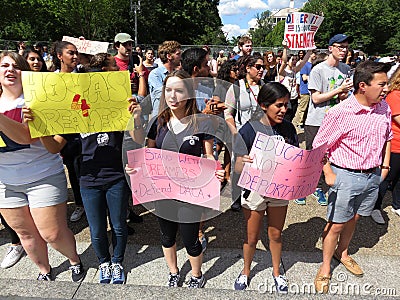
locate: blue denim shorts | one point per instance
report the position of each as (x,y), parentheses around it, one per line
(351,194)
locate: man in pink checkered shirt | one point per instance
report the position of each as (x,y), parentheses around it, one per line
(358,134)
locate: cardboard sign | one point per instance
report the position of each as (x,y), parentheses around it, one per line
(87,46)
(280,170)
(300,29)
(77,102)
(165,174)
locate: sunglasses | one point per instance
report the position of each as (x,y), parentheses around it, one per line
(235,69)
(258,66)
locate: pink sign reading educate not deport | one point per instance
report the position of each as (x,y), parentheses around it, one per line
(280,170)
(163,174)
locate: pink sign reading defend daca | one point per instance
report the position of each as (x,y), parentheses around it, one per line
(163,174)
(280,170)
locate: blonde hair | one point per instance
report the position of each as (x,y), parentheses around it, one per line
(394,83)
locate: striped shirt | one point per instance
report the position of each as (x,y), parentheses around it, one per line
(355,134)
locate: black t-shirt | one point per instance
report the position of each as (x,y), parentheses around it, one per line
(189,141)
(101,158)
(271,74)
(244,142)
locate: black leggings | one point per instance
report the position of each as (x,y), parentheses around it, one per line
(188,231)
(393,179)
(14,236)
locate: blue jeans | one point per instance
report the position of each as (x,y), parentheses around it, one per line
(96,200)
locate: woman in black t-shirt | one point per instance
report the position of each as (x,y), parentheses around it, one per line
(180,127)
(272,102)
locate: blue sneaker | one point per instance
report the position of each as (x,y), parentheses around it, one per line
(281,284)
(118,274)
(105,273)
(300,201)
(241,283)
(320,196)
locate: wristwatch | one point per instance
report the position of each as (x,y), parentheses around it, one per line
(141,74)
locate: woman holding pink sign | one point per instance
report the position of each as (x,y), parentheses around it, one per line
(272,100)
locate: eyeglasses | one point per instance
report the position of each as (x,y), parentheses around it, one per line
(235,69)
(340,47)
(258,66)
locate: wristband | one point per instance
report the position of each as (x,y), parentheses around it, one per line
(385,167)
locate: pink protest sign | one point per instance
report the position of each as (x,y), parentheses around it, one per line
(165,174)
(300,29)
(280,170)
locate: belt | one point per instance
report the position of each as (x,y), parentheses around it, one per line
(367,171)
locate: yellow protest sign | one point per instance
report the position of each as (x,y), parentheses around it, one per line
(77,102)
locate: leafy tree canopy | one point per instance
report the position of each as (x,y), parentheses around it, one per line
(372,23)
(186,21)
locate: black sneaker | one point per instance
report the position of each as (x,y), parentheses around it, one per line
(196,283)
(77,272)
(131,231)
(173,279)
(132,217)
(46,277)
(236,206)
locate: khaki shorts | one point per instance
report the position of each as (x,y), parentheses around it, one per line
(259,203)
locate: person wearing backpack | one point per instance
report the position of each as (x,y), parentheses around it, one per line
(241,104)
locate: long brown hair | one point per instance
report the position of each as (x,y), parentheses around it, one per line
(191,109)
(20,60)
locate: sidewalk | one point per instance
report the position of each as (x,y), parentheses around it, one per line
(375,247)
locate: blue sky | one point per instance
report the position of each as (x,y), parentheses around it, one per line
(239,15)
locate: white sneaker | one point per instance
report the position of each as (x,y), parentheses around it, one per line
(77,214)
(396,211)
(376,215)
(13,255)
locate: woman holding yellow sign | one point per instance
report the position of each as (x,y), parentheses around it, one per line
(33,187)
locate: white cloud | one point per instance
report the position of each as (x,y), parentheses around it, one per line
(234,7)
(278,4)
(233,30)
(252,23)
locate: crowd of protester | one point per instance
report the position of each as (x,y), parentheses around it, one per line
(176,98)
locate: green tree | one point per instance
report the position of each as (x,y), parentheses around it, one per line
(372,23)
(186,21)
(275,37)
(264,27)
